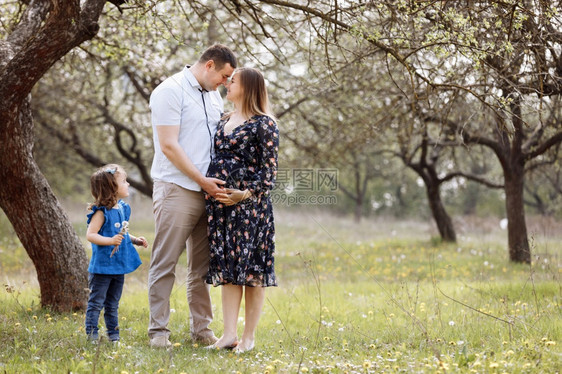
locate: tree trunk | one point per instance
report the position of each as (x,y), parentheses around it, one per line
(442,219)
(358,212)
(46,31)
(40,222)
(432,188)
(517,239)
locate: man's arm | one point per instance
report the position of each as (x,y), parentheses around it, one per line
(168,139)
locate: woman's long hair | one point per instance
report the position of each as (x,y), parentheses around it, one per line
(255,100)
(103,185)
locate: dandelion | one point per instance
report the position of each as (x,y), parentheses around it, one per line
(550,343)
(177,344)
(452,343)
(304,369)
(18,324)
(195,345)
(123,318)
(444,365)
(367,365)
(124,372)
(494,365)
(509,353)
(34,317)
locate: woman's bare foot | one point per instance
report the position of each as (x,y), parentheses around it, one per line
(224,343)
(244,346)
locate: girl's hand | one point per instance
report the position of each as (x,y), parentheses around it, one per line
(141,241)
(116,239)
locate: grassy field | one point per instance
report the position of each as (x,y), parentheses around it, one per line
(379,297)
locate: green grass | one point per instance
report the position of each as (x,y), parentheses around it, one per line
(377,297)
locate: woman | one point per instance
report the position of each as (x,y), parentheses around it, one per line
(241,227)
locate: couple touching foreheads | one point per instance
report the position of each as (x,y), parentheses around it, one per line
(213,173)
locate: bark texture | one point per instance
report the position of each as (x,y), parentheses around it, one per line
(47,31)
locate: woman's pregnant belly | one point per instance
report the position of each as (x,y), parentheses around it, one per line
(234,171)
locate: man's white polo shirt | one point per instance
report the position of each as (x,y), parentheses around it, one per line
(179,101)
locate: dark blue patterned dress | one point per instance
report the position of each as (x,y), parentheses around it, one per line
(242,236)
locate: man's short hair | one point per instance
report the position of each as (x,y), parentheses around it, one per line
(220,54)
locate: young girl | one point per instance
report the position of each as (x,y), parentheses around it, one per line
(113,254)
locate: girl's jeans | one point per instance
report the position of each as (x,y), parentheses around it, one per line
(105,292)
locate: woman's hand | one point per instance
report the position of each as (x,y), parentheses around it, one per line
(232,196)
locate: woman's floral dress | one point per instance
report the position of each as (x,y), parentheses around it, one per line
(242,236)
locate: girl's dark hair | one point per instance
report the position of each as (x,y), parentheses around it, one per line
(104,185)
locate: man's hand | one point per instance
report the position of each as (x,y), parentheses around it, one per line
(232,196)
(212,186)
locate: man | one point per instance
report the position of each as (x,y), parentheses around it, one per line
(186,109)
